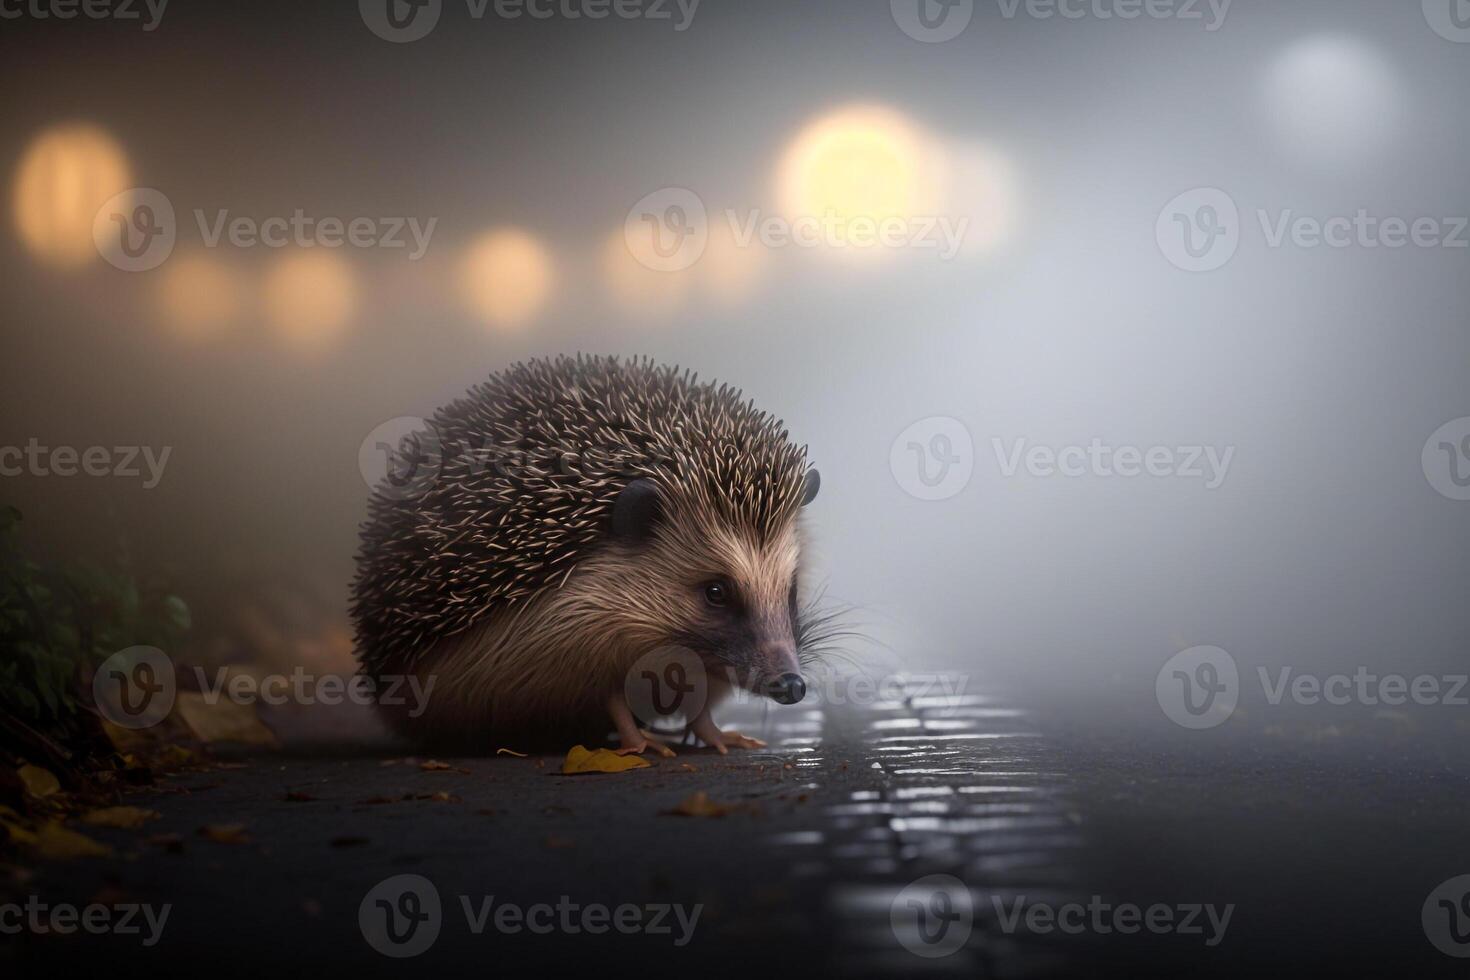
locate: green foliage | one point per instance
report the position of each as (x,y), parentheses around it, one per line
(56,621)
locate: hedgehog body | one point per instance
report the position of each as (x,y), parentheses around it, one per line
(563,519)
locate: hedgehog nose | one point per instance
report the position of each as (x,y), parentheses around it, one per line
(788,689)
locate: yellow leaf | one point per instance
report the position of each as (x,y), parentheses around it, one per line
(700,805)
(120,817)
(16,828)
(39,782)
(223,721)
(225,833)
(579,760)
(57,843)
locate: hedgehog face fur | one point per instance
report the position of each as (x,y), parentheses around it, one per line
(566,517)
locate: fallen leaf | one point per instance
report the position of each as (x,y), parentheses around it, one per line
(120,817)
(226,720)
(16,828)
(57,843)
(579,760)
(225,833)
(518,755)
(699,805)
(434,765)
(687,767)
(39,782)
(378,800)
(172,843)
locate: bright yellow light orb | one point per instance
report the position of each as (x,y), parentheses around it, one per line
(505,277)
(309,297)
(860,162)
(66,174)
(635,287)
(199,296)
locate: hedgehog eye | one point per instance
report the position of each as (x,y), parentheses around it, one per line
(718,592)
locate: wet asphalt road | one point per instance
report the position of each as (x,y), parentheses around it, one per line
(1323,854)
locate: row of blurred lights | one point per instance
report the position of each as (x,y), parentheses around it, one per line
(855,161)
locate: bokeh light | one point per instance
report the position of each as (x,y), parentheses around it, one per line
(635,287)
(856,162)
(309,298)
(505,277)
(199,296)
(729,271)
(1335,100)
(65,175)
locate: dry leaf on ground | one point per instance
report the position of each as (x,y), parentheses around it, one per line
(225,833)
(39,782)
(700,805)
(58,843)
(120,817)
(579,760)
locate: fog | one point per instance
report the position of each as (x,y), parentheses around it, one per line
(1292,390)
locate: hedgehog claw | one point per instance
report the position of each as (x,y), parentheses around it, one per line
(646,743)
(722,742)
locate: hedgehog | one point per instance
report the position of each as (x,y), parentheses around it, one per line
(564,518)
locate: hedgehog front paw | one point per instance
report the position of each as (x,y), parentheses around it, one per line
(645,742)
(635,740)
(722,742)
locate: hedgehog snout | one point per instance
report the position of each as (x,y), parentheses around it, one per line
(782,682)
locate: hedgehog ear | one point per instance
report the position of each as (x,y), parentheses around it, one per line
(635,511)
(810,487)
